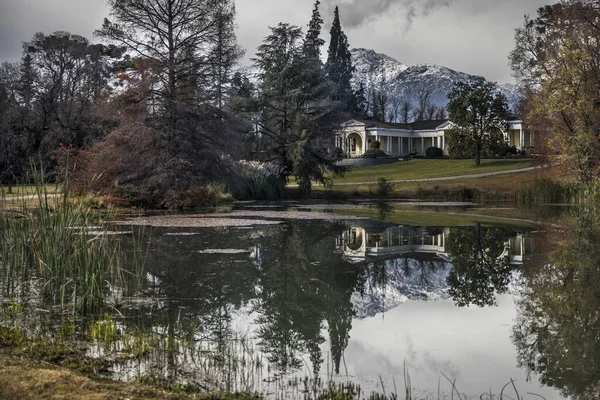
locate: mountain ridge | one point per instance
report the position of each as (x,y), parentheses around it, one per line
(410,82)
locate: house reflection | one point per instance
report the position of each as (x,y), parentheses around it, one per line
(362,244)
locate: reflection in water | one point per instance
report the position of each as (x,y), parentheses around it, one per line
(481,267)
(557,334)
(305,282)
(296,289)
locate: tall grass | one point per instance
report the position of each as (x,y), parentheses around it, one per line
(547,191)
(59,246)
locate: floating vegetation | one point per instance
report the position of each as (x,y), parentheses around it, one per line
(224,251)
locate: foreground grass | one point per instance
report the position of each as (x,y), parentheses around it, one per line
(427,169)
(21,378)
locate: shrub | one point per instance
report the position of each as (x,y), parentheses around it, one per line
(384,187)
(255,180)
(510,150)
(434,152)
(374,153)
(376,145)
(338,153)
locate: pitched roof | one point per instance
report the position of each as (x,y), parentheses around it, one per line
(513,117)
(371,123)
(427,125)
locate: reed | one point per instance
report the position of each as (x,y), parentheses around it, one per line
(61,247)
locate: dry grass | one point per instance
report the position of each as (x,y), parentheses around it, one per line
(25,379)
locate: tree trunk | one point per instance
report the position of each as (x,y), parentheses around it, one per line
(478,153)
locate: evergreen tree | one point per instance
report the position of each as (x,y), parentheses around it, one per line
(313,42)
(360,101)
(297,117)
(224,53)
(27,79)
(339,64)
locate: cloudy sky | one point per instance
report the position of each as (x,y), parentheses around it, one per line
(473,36)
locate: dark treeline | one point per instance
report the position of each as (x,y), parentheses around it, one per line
(162,109)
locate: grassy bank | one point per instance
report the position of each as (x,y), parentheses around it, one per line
(427,169)
(496,188)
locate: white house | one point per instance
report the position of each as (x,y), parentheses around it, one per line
(360,244)
(355,136)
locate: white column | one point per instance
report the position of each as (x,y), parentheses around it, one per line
(522,138)
(444,142)
(422,146)
(401,146)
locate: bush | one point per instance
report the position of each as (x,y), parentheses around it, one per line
(384,187)
(376,145)
(374,153)
(255,180)
(434,152)
(338,153)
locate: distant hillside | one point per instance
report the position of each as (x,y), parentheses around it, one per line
(406,82)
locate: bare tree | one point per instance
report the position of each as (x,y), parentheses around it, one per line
(395,109)
(441,113)
(174,34)
(430,111)
(405,112)
(423,102)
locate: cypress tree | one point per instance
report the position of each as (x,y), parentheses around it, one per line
(339,65)
(313,42)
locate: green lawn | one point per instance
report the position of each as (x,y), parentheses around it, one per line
(424,169)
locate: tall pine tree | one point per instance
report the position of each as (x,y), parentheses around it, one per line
(313,42)
(339,65)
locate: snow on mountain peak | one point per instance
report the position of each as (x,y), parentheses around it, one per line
(407,82)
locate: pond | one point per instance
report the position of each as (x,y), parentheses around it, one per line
(282,302)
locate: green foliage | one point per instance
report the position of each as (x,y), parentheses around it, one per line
(561,76)
(297,116)
(384,187)
(555,333)
(479,112)
(374,153)
(58,242)
(434,152)
(255,180)
(480,268)
(339,66)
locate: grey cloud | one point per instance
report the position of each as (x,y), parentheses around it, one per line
(355,13)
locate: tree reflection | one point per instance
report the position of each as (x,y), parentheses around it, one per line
(302,284)
(480,268)
(557,333)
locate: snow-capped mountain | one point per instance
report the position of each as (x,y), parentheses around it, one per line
(406,279)
(407,82)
